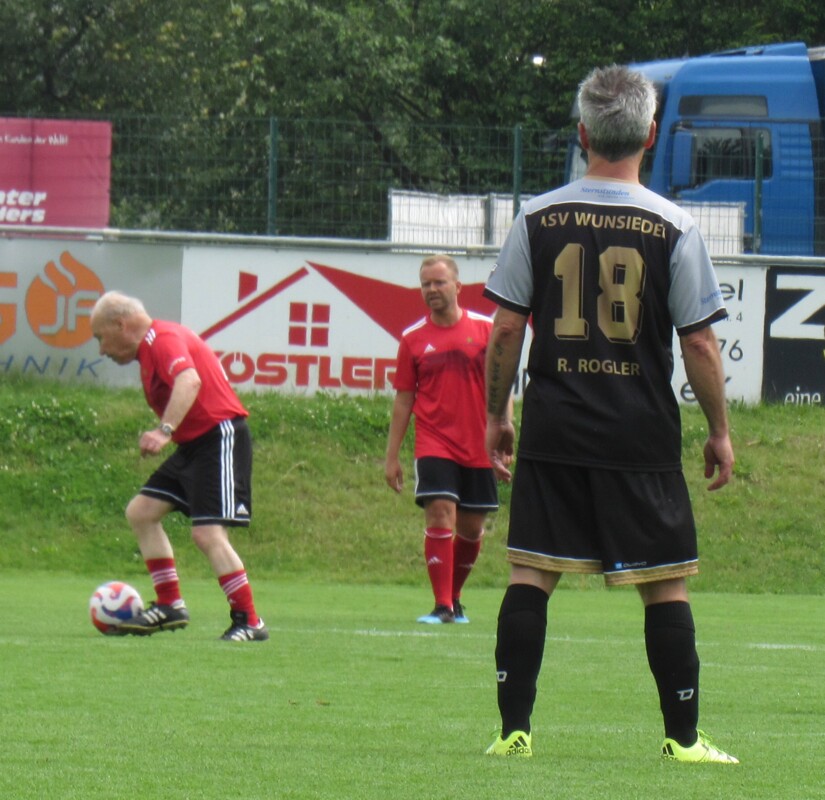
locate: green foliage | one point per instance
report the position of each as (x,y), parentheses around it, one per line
(453,61)
(323,511)
(424,95)
(352,699)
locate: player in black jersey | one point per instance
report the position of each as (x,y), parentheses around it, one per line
(607,270)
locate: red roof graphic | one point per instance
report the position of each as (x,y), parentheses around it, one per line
(389,305)
(395,307)
(241,312)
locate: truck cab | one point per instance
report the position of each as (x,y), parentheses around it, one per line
(740,144)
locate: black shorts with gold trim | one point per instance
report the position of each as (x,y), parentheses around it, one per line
(633,527)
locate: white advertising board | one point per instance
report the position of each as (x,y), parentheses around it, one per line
(740,336)
(303,321)
(300,318)
(48,288)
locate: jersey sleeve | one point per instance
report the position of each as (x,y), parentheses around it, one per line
(405,379)
(695,299)
(511,282)
(171,356)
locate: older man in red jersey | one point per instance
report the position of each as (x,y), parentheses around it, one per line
(208,477)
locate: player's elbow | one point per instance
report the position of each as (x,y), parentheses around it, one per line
(508,329)
(700,345)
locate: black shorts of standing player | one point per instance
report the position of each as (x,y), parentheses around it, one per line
(209,478)
(471,488)
(634,527)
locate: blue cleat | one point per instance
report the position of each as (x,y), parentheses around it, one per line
(438,616)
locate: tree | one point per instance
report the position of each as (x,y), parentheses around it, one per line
(432,93)
(435,61)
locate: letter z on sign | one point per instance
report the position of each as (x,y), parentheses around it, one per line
(793,323)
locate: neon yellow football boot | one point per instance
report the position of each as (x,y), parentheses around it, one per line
(703,752)
(518,743)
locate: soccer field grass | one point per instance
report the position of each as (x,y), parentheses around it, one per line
(352,699)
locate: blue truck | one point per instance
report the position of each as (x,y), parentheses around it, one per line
(741,144)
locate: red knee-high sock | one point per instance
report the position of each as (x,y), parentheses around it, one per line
(465,553)
(438,552)
(164,579)
(238,592)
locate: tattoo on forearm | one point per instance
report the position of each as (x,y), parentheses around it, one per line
(495,403)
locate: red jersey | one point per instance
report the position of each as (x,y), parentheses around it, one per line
(167,350)
(445,369)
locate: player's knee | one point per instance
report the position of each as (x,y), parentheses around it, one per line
(143,511)
(201,539)
(440,513)
(209,537)
(136,512)
(470,534)
(470,526)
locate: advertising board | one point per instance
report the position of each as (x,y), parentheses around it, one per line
(740,335)
(304,321)
(794,322)
(304,318)
(54,172)
(48,288)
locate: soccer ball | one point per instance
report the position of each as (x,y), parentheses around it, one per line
(112,603)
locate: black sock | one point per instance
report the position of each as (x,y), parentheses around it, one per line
(522,625)
(670,638)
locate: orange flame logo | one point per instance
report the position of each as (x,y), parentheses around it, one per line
(59,303)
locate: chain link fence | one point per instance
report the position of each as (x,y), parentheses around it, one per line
(752,186)
(320,178)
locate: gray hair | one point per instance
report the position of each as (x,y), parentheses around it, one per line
(116,305)
(616,106)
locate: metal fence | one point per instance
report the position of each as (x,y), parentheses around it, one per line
(330,178)
(312,177)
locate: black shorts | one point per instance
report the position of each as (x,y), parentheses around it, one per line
(210,478)
(634,527)
(470,488)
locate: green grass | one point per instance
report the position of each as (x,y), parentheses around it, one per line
(351,699)
(322,510)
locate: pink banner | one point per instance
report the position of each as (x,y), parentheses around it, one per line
(55,172)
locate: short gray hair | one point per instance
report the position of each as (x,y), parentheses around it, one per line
(617,106)
(116,305)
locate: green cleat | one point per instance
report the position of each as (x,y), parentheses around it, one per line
(703,752)
(518,743)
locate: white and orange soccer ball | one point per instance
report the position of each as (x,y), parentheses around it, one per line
(112,604)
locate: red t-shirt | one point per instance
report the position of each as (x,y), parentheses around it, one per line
(445,369)
(167,350)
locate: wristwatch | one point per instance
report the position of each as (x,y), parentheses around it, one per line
(166,428)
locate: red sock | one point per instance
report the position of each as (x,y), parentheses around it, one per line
(238,592)
(164,579)
(438,552)
(465,553)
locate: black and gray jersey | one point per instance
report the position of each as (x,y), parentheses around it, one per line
(607,270)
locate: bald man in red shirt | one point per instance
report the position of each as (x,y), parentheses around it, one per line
(207,478)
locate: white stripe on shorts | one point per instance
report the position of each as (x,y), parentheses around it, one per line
(227,469)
